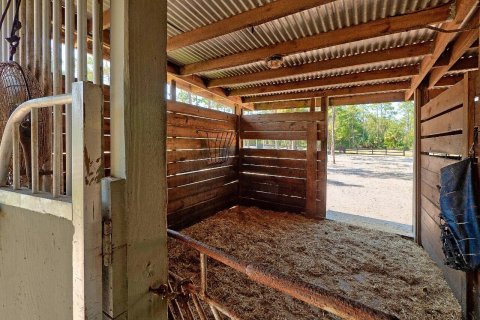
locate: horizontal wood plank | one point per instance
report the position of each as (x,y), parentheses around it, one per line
(274,153)
(443,102)
(199,176)
(447,122)
(452,144)
(281,117)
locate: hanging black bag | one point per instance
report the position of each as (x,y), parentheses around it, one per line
(459,205)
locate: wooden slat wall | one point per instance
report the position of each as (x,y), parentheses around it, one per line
(197,189)
(445,131)
(277,179)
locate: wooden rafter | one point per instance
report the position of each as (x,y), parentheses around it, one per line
(335,101)
(384,74)
(416,50)
(359,32)
(463,42)
(254,17)
(383,97)
(383,87)
(464,9)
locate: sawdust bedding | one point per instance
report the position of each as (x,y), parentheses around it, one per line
(382,270)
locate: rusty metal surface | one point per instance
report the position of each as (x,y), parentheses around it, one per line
(306,292)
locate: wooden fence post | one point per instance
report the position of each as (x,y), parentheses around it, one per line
(87,172)
(316,173)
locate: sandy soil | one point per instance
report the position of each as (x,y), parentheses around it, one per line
(382,270)
(371,191)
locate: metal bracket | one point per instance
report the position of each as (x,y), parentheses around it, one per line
(164,293)
(107,242)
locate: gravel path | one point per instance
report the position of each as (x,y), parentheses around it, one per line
(374,191)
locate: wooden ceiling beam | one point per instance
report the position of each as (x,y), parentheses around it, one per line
(384,97)
(463,42)
(415,50)
(466,64)
(254,17)
(383,87)
(359,32)
(282,104)
(464,9)
(384,74)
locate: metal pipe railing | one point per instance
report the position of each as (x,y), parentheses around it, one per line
(306,292)
(11,128)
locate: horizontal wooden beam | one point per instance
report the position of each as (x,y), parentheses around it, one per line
(254,17)
(463,42)
(277,105)
(384,87)
(415,50)
(393,73)
(463,10)
(368,99)
(359,32)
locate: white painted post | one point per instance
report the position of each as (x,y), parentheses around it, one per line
(138,152)
(97,28)
(57,110)
(82,40)
(87,172)
(69,78)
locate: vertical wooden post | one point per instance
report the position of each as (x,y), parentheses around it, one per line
(69,78)
(322,164)
(311,194)
(420,100)
(57,110)
(173,90)
(82,40)
(138,126)
(87,157)
(332,141)
(97,31)
(239,147)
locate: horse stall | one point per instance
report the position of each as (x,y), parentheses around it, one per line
(118,202)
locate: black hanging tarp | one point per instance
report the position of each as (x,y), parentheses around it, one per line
(459,201)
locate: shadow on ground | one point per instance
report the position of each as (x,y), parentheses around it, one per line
(372,223)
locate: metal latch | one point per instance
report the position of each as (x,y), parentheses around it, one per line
(107,242)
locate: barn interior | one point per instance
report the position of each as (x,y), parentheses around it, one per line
(122,196)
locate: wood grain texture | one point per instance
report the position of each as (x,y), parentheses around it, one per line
(138,124)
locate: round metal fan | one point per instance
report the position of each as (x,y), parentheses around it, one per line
(17,86)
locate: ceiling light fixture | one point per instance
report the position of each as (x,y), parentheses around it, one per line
(275,61)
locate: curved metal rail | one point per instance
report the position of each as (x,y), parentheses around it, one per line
(6,145)
(301,290)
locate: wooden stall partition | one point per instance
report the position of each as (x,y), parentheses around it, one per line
(200,183)
(280,179)
(446,130)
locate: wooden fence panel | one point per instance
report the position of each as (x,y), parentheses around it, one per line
(198,187)
(286,180)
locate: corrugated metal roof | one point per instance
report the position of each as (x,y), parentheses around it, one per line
(186,15)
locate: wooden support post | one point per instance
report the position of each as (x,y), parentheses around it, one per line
(173,90)
(239,146)
(87,169)
(114,248)
(322,164)
(312,138)
(420,100)
(138,147)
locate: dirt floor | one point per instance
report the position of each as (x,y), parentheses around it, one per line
(373,191)
(381,270)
